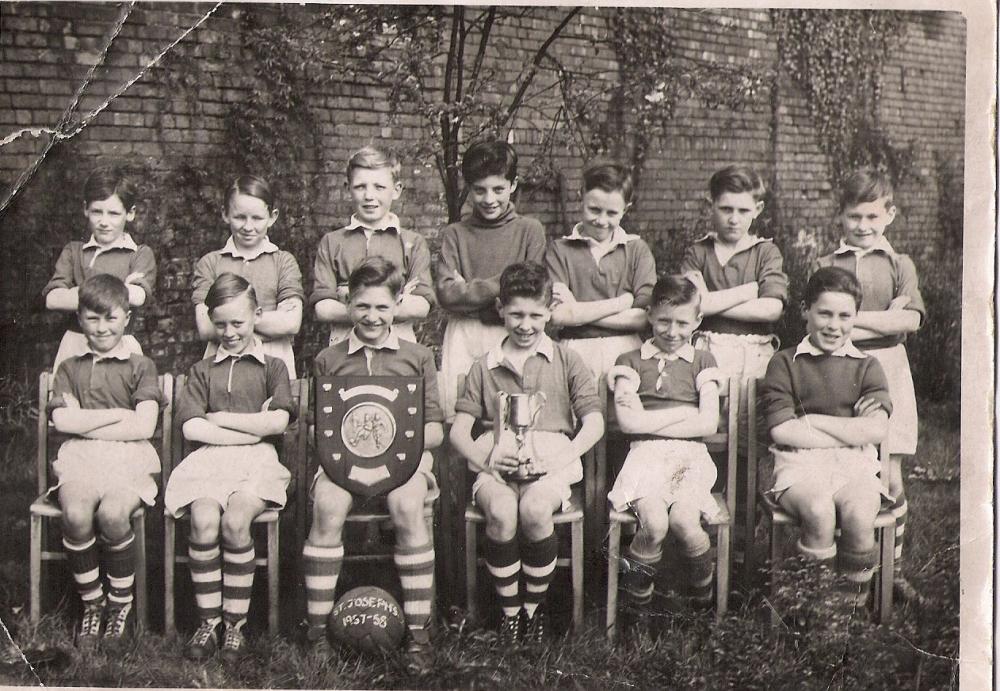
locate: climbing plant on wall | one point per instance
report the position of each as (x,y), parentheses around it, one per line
(836,58)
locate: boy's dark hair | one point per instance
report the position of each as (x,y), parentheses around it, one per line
(485,158)
(252,186)
(864,186)
(107,181)
(375,271)
(373,157)
(229,286)
(610,177)
(675,290)
(736,179)
(102,293)
(525,280)
(831,279)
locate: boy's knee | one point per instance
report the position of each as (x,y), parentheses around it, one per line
(406,506)
(328,520)
(501,513)
(114,519)
(77,519)
(654,524)
(204,525)
(235,528)
(534,512)
(817,514)
(686,526)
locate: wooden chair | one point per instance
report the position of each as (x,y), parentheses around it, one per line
(293,446)
(885,522)
(374,519)
(46,507)
(572,515)
(722,523)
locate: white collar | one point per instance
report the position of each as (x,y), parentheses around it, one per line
(649,350)
(266,247)
(354,344)
(744,243)
(124,242)
(254,350)
(806,347)
(496,357)
(618,237)
(119,352)
(881,245)
(389,222)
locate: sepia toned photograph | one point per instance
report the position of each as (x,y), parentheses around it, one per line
(497,347)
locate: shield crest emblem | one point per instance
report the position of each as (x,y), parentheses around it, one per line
(369,431)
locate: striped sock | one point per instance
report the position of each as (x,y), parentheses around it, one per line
(504,563)
(699,565)
(857,569)
(205,562)
(237,582)
(119,563)
(900,508)
(322,568)
(416,574)
(639,569)
(85,566)
(538,561)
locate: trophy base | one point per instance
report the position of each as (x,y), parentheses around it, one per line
(524,477)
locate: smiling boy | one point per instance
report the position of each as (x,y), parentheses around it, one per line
(374,230)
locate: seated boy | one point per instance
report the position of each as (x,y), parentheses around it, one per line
(827,405)
(526,361)
(602,276)
(374,348)
(374,230)
(667,397)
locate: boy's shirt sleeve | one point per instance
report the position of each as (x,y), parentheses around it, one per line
(279,390)
(289,278)
(643,275)
(205,272)
(193,400)
(582,387)
(432,406)
(62,383)
(147,386)
(875,385)
(555,264)
(908,286)
(470,399)
(454,291)
(420,268)
(324,272)
(144,262)
(536,242)
(776,393)
(692,260)
(63,276)
(772,282)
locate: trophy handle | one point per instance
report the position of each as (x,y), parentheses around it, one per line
(503,413)
(536,402)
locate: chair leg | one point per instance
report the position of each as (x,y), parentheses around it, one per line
(169,546)
(775,539)
(883,600)
(576,565)
(614,554)
(273,588)
(470,570)
(723,536)
(141,589)
(429,519)
(36,569)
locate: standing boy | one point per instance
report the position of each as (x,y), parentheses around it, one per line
(891,307)
(602,276)
(827,406)
(373,348)
(474,252)
(373,183)
(526,361)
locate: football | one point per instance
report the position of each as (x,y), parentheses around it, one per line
(367,619)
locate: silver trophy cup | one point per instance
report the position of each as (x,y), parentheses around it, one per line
(518,413)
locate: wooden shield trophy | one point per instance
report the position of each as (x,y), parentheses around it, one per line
(369,431)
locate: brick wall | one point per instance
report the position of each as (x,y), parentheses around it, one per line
(170,128)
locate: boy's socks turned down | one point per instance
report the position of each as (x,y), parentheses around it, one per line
(640,567)
(119,560)
(699,565)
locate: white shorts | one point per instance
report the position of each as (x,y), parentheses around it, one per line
(739,355)
(280,348)
(599,354)
(218,472)
(465,340)
(558,480)
(74,344)
(903,421)
(834,467)
(425,468)
(109,465)
(668,469)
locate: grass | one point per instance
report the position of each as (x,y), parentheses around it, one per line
(917,651)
